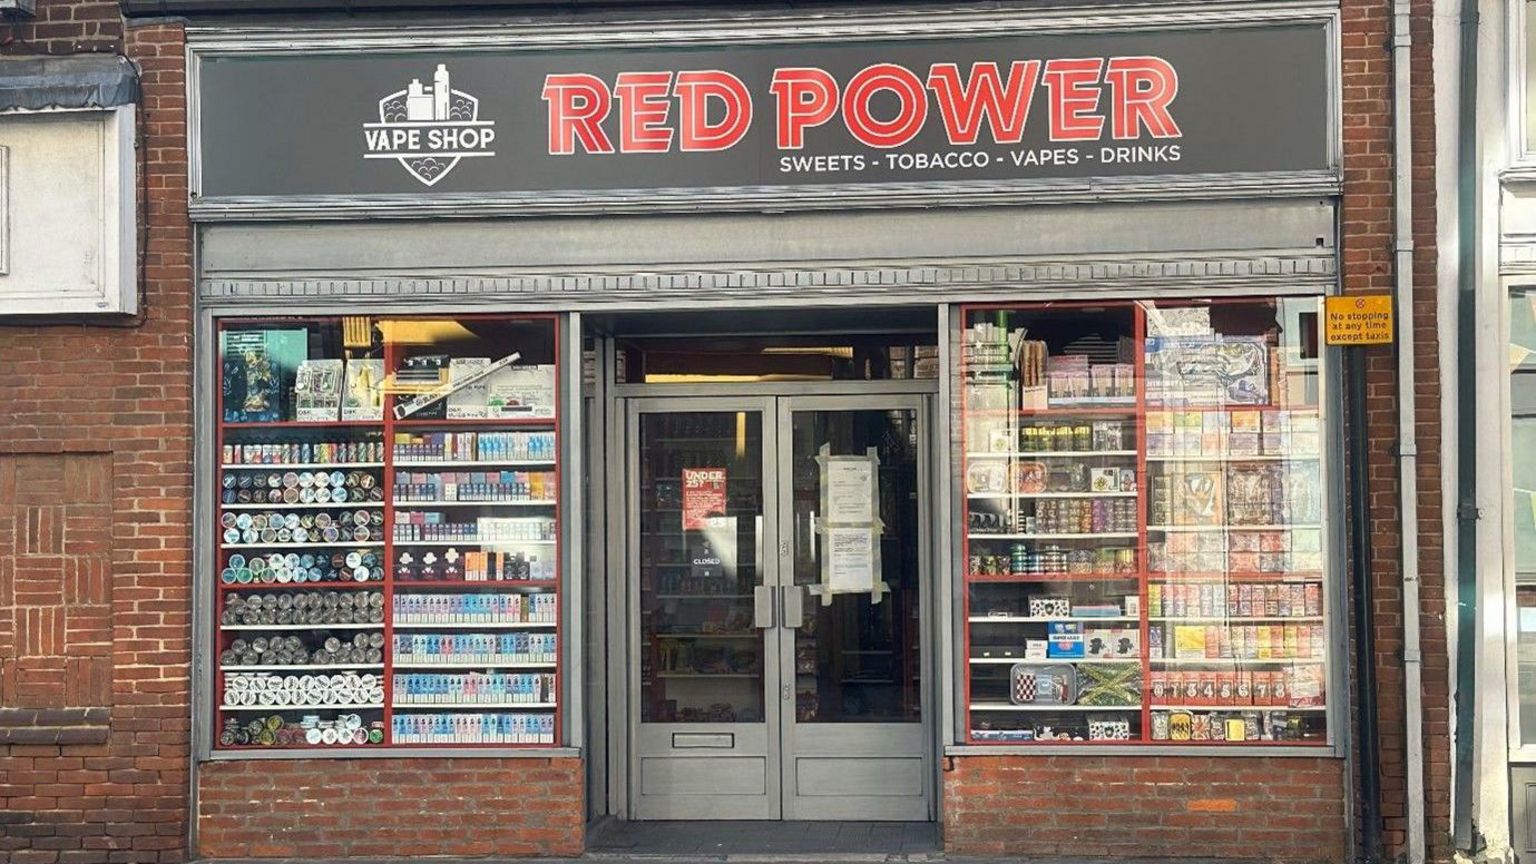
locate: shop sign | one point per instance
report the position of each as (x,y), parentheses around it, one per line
(758,117)
(1359,320)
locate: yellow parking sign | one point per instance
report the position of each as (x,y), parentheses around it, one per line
(1360,319)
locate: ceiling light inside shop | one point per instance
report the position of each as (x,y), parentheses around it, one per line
(842,352)
(409,332)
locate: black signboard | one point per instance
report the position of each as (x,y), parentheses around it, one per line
(758,116)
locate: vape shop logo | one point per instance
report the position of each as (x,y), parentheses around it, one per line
(428,129)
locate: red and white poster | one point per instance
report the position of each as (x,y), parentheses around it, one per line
(703,497)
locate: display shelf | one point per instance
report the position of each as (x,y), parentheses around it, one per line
(378,626)
(356,544)
(466,664)
(1009,661)
(1051,454)
(1234,619)
(1007,706)
(414,706)
(1315,709)
(307,668)
(1213,529)
(370,425)
(472,463)
(400,544)
(410,504)
(479,583)
(346,505)
(299,586)
(1232,457)
(1005,496)
(298,466)
(1234,576)
(1236,661)
(499,625)
(263,362)
(471,422)
(1026,619)
(1103,535)
(1073,415)
(366,706)
(984,578)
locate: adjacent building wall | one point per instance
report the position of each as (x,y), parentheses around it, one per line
(95,543)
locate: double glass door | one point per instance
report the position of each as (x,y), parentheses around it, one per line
(777,549)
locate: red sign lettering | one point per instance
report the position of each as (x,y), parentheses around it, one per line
(694,90)
(909,119)
(1142,87)
(578,104)
(1070,85)
(1141,91)
(806,97)
(984,96)
(643,109)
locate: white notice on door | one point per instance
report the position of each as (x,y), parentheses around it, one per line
(850,492)
(850,559)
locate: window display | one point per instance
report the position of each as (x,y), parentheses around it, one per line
(1143,519)
(388,532)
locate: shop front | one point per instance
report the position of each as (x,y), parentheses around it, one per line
(914,417)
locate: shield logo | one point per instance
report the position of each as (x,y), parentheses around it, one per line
(429,129)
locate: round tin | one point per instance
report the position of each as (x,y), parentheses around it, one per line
(231,536)
(375,736)
(306,479)
(227,576)
(312,736)
(228,520)
(291,480)
(360,534)
(291,496)
(322,496)
(243,521)
(338,478)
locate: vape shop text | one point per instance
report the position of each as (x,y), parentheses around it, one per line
(1094,109)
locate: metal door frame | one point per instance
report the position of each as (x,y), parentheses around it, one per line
(769,562)
(920,405)
(627,403)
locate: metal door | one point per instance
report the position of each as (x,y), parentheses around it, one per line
(749,697)
(855,741)
(704,730)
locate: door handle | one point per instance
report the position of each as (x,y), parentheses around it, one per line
(793,605)
(763,607)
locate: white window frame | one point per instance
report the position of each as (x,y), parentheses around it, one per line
(117,262)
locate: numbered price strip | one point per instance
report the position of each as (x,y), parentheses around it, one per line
(850,526)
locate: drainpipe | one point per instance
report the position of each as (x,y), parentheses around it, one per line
(1407,439)
(1467,641)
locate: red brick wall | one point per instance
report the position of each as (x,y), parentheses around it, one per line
(404,807)
(95,476)
(1368,266)
(65,27)
(1279,809)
